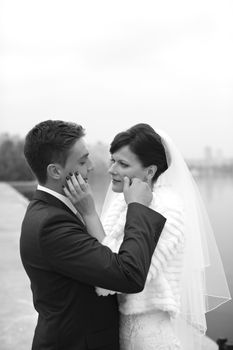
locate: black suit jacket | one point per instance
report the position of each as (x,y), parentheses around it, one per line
(64,264)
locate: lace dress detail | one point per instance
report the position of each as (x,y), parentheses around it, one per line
(148,331)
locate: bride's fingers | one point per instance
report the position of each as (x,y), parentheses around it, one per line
(74,189)
(75,181)
(68,194)
(81,181)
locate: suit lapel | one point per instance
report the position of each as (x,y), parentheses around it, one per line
(53,201)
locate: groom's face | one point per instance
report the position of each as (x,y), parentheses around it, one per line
(78,160)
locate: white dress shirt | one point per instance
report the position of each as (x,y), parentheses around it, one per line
(59,196)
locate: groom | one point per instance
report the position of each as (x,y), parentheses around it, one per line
(64,263)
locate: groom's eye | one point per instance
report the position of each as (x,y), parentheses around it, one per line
(83,160)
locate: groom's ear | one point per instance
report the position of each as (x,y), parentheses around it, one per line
(151,171)
(54,171)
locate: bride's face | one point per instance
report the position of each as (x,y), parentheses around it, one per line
(125,163)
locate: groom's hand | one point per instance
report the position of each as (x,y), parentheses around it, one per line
(138,191)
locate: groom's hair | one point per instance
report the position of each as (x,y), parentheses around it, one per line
(50,142)
(145,143)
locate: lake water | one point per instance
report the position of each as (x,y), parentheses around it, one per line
(217,193)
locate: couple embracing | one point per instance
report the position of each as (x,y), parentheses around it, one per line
(137,278)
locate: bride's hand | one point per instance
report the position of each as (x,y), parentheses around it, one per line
(80,194)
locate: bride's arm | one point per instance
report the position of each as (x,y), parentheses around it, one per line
(80,194)
(94,226)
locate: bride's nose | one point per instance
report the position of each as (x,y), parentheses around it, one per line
(112,169)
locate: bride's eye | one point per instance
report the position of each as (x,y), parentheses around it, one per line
(124,165)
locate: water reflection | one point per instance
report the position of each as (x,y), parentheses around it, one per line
(217,193)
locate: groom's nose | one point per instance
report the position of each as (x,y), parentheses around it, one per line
(90,165)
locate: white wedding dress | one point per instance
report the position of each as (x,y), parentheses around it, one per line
(146,318)
(186,278)
(148,331)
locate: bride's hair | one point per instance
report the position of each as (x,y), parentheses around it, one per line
(145,143)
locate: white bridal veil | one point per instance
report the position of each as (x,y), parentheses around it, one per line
(203,282)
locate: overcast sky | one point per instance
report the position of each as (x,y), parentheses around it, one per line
(110,64)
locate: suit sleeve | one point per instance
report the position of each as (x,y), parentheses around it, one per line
(71,251)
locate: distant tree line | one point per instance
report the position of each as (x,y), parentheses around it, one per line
(13,166)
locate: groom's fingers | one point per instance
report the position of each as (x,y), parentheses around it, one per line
(126,183)
(135,180)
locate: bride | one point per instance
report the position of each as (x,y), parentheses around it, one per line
(186,277)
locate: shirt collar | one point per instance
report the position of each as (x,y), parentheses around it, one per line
(59,196)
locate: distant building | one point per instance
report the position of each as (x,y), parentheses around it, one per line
(208,157)
(213,162)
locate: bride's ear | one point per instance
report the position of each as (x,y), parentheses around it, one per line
(151,171)
(54,171)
